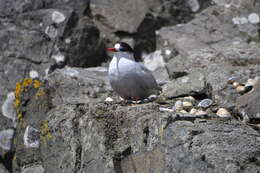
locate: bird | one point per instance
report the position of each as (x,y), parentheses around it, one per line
(131,80)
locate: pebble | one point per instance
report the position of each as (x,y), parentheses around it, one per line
(205,103)
(6,137)
(235,84)
(178,105)
(231,80)
(35,169)
(187,105)
(193,111)
(201,112)
(165,109)
(152,97)
(109,99)
(253,18)
(57,17)
(33,74)
(222,112)
(250,82)
(183,111)
(240,89)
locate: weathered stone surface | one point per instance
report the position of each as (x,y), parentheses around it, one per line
(248,104)
(192,84)
(2,169)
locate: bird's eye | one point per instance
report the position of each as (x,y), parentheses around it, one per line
(121,49)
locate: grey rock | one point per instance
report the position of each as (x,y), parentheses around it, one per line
(192,84)
(205,103)
(112,14)
(248,105)
(3,169)
(6,137)
(156,64)
(34,169)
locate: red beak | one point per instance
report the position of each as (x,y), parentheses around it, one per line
(111,49)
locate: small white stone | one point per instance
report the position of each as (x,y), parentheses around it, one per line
(194,5)
(33,74)
(187,105)
(165,109)
(189,98)
(157,32)
(67,40)
(235,84)
(34,169)
(183,111)
(178,105)
(201,112)
(193,111)
(31,137)
(227,5)
(109,99)
(51,31)
(6,137)
(254,18)
(8,108)
(240,89)
(222,112)
(239,20)
(57,17)
(168,52)
(59,58)
(250,82)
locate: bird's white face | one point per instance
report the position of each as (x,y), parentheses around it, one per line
(117,46)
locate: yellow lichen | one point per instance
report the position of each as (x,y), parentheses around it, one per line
(37,84)
(27,82)
(45,130)
(39,93)
(20,116)
(18,88)
(16,103)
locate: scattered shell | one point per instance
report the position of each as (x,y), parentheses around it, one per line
(109,99)
(187,105)
(240,89)
(6,137)
(222,112)
(165,109)
(231,80)
(51,31)
(183,111)
(193,111)
(250,82)
(57,17)
(235,84)
(254,18)
(189,98)
(201,112)
(178,105)
(205,103)
(152,97)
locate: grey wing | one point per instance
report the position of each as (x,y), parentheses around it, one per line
(148,79)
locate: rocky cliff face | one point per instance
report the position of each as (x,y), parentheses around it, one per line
(59,113)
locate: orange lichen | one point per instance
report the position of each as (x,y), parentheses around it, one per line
(27,82)
(18,89)
(37,84)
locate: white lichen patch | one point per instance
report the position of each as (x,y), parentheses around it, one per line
(34,169)
(154,60)
(51,31)
(59,58)
(6,137)
(71,72)
(31,137)
(239,20)
(67,40)
(33,74)
(8,108)
(58,17)
(253,18)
